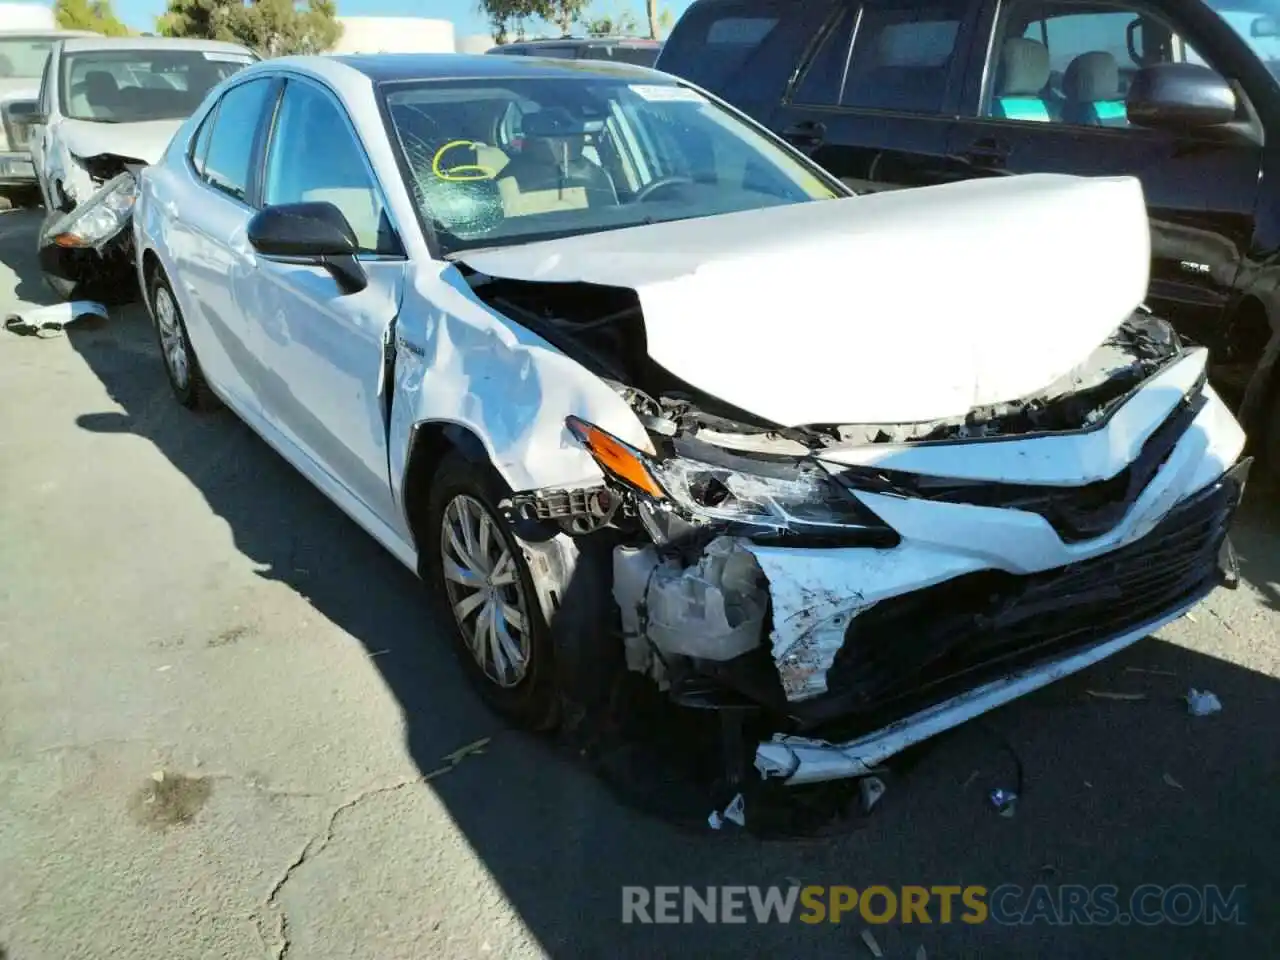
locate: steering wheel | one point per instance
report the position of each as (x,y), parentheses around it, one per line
(662,183)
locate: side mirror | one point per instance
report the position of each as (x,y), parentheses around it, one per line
(1180,97)
(310,233)
(24,112)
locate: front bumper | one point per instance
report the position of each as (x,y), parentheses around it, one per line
(1072,618)
(17,170)
(849,654)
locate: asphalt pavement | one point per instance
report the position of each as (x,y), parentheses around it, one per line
(230,727)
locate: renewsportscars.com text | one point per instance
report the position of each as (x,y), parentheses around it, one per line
(1009,904)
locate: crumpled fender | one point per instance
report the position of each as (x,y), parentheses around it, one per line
(459,361)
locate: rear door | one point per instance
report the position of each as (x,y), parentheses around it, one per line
(876,99)
(1060,109)
(208,239)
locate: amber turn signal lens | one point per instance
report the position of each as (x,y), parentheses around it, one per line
(68,240)
(615,457)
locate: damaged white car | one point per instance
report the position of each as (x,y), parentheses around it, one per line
(637,387)
(109,106)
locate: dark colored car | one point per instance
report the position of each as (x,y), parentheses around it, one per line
(1182,94)
(633,50)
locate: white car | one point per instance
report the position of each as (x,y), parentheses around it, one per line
(108,103)
(23,54)
(636,386)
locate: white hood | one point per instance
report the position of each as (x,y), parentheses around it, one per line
(897,307)
(141,141)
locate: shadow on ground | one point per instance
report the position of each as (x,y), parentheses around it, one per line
(1114,792)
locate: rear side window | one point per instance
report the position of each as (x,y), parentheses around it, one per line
(900,60)
(228,158)
(713,41)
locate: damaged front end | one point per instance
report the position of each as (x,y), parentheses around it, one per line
(88,251)
(857,588)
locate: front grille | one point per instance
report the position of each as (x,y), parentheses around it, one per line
(981,622)
(1075,513)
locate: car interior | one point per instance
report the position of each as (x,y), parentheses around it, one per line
(1031,82)
(123,91)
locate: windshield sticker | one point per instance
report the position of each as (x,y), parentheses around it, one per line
(666,93)
(226,57)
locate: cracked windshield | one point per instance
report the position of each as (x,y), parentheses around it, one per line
(510,161)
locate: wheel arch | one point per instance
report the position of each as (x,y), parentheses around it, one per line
(430,442)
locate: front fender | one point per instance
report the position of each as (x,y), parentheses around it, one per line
(458,361)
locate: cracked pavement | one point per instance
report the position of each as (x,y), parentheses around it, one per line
(229,727)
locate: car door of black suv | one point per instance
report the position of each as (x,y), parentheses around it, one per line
(876,97)
(1050,98)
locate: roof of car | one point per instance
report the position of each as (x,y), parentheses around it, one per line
(584,41)
(149,43)
(390,67)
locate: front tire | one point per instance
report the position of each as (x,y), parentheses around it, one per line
(180,364)
(479,572)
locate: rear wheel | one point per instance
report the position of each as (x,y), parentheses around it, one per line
(180,363)
(478,570)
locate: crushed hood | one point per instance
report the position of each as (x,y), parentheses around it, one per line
(144,141)
(896,307)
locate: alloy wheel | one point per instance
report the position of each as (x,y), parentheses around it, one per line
(484,590)
(172,342)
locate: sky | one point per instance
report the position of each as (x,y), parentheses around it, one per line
(141,14)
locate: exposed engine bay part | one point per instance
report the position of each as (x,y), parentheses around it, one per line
(711,609)
(103,167)
(88,252)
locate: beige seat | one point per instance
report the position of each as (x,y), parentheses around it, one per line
(357,205)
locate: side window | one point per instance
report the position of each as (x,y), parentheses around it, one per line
(200,146)
(903,56)
(823,80)
(297,172)
(229,154)
(557,53)
(712,42)
(46,95)
(1059,63)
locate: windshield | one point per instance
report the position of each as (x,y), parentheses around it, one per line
(128,86)
(506,161)
(22,58)
(1258,24)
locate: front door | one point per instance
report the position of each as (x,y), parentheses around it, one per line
(323,347)
(1051,100)
(875,103)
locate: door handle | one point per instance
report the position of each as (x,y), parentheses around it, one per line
(807,133)
(987,152)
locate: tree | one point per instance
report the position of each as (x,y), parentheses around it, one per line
(95,15)
(618,23)
(651,11)
(275,28)
(506,16)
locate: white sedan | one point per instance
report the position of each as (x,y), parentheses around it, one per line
(636,386)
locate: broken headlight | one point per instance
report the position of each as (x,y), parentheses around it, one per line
(757,498)
(99,218)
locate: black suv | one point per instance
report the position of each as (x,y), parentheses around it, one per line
(619,49)
(1180,93)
